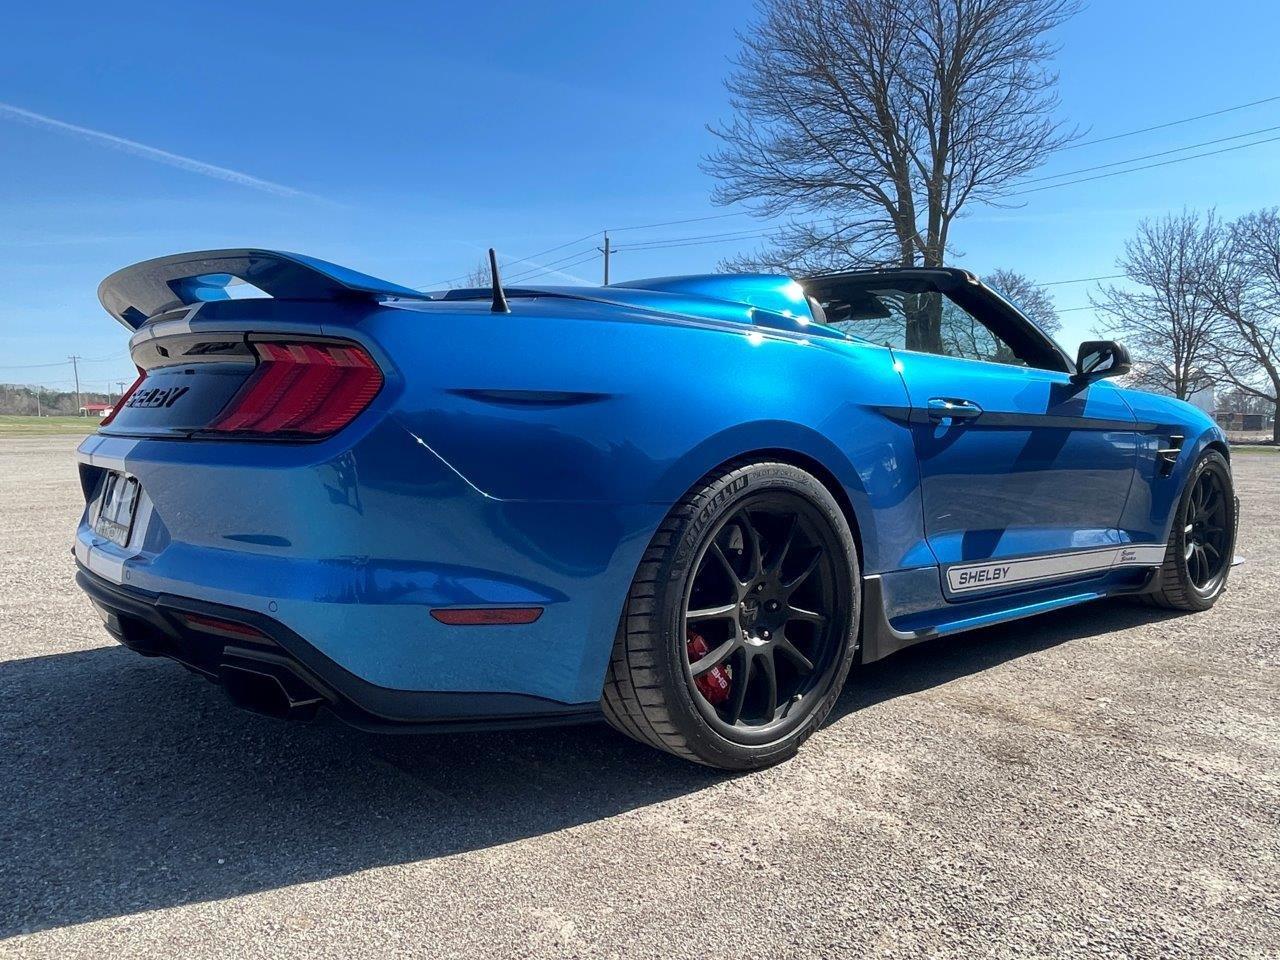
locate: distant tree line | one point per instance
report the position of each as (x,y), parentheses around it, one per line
(25,400)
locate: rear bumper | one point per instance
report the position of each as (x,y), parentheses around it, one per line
(273,670)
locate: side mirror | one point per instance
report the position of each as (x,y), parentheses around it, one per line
(1098,359)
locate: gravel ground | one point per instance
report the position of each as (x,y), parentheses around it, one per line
(1100,782)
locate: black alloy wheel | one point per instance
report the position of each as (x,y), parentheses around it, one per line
(1205,532)
(741,623)
(1202,542)
(762,598)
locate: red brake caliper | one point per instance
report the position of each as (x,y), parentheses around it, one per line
(714,684)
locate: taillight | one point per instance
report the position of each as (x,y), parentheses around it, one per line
(310,389)
(124,398)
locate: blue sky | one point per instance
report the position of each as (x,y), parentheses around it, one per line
(403,138)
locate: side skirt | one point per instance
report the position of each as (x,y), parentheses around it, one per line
(888,627)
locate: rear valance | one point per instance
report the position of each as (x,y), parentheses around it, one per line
(137,293)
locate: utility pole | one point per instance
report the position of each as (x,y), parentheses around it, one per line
(606,250)
(76,370)
(38,412)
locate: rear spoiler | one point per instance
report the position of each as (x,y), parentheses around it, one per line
(137,293)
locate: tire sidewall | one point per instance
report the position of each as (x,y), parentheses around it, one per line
(1201,599)
(721,498)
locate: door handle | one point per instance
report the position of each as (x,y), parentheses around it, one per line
(946,408)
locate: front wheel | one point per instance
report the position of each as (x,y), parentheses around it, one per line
(741,623)
(1202,541)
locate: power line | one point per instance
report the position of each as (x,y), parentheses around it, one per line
(671,223)
(1149,166)
(1171,123)
(1110,276)
(555,266)
(437,284)
(63,363)
(1152,156)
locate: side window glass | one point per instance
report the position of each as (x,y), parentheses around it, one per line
(963,335)
(924,321)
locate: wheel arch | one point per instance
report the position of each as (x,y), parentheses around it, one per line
(876,483)
(819,470)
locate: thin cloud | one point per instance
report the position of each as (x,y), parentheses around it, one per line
(188,164)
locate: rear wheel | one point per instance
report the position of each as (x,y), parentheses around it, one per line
(740,625)
(1202,542)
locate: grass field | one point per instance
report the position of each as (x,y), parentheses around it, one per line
(15,426)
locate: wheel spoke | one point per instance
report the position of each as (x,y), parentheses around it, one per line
(1212,502)
(789,650)
(749,532)
(781,558)
(718,554)
(723,612)
(792,585)
(809,616)
(739,694)
(1198,495)
(1217,554)
(714,658)
(769,671)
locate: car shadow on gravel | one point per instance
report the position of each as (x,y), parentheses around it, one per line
(935,662)
(129,785)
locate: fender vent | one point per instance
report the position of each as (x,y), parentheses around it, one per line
(1167,457)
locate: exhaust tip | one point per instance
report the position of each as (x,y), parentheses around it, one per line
(266,693)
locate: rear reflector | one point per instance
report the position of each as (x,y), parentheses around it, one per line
(308,389)
(198,621)
(487,616)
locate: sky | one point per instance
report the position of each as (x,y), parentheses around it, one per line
(403,139)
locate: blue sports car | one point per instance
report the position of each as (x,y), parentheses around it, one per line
(687,503)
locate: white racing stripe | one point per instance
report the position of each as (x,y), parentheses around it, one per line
(990,574)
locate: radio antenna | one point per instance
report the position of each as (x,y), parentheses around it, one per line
(499,298)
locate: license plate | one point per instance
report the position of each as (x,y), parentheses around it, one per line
(117,505)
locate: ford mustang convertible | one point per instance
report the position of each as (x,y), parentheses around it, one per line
(688,503)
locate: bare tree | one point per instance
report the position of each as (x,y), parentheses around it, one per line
(1166,316)
(1245,290)
(884,118)
(1031,298)
(479,275)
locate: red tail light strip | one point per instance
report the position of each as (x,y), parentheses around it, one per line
(217,625)
(301,388)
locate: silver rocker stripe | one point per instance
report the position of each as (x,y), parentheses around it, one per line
(1000,573)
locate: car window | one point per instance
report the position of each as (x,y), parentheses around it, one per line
(922,320)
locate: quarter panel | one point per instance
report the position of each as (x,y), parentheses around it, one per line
(629,410)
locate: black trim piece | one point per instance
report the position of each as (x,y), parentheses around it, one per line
(147,623)
(1039,420)
(531,398)
(901,414)
(1022,421)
